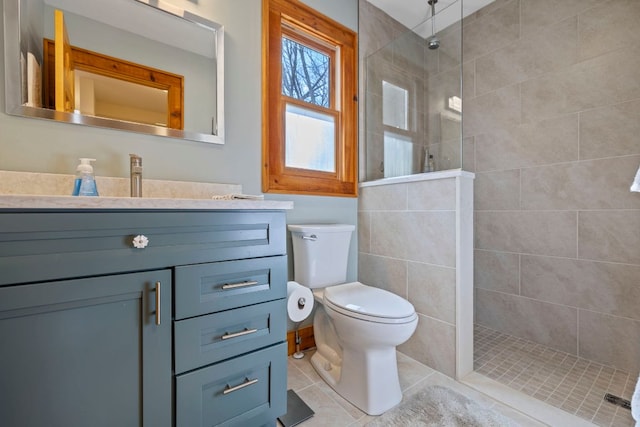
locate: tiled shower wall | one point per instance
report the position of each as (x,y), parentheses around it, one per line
(552,107)
(407,245)
(393,53)
(407,231)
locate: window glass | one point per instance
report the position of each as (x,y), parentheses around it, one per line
(395,105)
(310,139)
(305,73)
(398,155)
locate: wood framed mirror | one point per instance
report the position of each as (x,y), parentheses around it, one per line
(152,96)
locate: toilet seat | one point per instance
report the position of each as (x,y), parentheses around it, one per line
(373,304)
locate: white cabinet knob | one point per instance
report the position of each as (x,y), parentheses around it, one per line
(140,241)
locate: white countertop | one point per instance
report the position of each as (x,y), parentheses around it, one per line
(18,201)
(33,190)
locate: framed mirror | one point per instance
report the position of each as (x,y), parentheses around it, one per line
(138,43)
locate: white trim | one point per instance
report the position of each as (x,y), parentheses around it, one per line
(453,173)
(464,276)
(534,408)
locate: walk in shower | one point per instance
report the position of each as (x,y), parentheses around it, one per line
(554,263)
(413,94)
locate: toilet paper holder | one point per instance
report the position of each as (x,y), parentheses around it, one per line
(298,354)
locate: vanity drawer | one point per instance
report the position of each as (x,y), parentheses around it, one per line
(208,288)
(67,244)
(208,339)
(248,390)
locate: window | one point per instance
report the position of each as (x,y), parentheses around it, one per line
(398,138)
(395,106)
(309,102)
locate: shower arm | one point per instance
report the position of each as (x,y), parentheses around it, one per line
(432,3)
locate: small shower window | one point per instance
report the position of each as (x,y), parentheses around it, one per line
(398,155)
(395,106)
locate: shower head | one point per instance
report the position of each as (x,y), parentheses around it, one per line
(433,41)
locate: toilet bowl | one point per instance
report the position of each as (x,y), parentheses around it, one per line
(356,327)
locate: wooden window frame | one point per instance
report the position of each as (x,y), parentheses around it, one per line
(279,16)
(108,66)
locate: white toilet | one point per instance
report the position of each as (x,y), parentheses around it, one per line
(356,327)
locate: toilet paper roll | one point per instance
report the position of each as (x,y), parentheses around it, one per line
(299,301)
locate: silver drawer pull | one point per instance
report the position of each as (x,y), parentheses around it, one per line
(239,285)
(158,303)
(227,335)
(247,382)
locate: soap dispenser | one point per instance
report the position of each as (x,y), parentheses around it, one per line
(85,183)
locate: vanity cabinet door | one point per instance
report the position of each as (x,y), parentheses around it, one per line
(87,352)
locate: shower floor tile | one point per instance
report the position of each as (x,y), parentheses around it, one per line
(559,379)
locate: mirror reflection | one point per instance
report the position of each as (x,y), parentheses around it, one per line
(125,65)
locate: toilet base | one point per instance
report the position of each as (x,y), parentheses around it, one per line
(368,380)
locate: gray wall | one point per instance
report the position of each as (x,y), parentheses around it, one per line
(552,106)
(44,146)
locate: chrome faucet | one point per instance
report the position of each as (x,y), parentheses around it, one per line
(136,175)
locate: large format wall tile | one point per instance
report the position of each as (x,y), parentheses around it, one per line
(432,291)
(468,80)
(610,131)
(437,194)
(497,271)
(593,184)
(494,110)
(549,324)
(427,237)
(609,26)
(469,154)
(609,236)
(598,286)
(545,233)
(370,22)
(382,272)
(450,51)
(409,53)
(610,340)
(434,344)
(531,56)
(364,232)
(495,29)
(588,84)
(539,143)
(538,14)
(497,190)
(383,197)
(554,114)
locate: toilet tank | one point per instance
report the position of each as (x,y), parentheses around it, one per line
(320,253)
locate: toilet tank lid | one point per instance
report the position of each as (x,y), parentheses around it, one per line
(321,228)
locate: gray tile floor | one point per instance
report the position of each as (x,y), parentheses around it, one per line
(332,410)
(565,381)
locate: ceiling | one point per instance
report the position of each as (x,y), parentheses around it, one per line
(415,14)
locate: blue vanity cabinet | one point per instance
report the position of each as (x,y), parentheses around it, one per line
(87,352)
(82,340)
(229,331)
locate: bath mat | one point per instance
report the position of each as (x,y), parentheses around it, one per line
(438,406)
